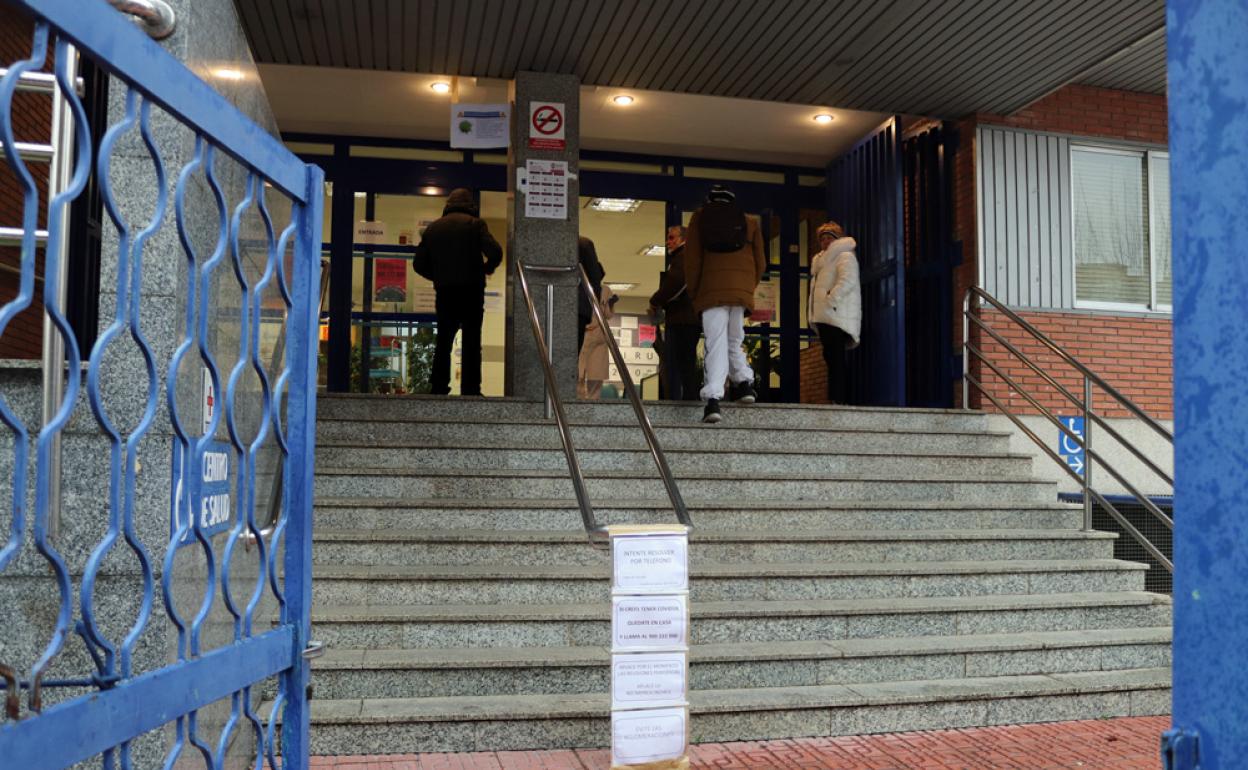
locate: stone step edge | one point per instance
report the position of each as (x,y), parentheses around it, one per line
(600,612)
(524,503)
(756,570)
(416,659)
(596,705)
(633,425)
(708,451)
(523,536)
(527,473)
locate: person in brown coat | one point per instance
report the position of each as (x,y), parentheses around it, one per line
(723,265)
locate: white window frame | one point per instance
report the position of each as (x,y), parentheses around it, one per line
(1152,256)
(1143,155)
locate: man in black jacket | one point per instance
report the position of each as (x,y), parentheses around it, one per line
(459,253)
(684,326)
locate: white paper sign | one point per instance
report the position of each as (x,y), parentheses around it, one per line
(649,622)
(638,737)
(648,679)
(546,196)
(650,563)
(370,232)
(480,125)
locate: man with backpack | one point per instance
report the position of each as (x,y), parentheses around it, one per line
(723,265)
(457,252)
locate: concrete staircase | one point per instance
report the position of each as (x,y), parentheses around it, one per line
(853,570)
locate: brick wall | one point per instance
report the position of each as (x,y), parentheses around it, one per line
(32,120)
(1133,353)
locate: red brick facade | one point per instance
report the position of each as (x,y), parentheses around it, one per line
(32,120)
(1133,353)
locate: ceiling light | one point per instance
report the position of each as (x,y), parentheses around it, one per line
(619,287)
(824,118)
(623,100)
(361,195)
(431,190)
(228,73)
(441,87)
(615,205)
(653,250)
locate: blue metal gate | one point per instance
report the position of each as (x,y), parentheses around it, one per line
(164,608)
(865,196)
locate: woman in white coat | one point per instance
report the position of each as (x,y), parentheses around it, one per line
(834,309)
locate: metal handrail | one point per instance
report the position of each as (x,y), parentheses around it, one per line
(157,16)
(554,404)
(1084,442)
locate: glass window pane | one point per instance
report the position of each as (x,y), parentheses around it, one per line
(1159,182)
(1110,228)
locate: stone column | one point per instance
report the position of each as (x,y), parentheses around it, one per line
(539,241)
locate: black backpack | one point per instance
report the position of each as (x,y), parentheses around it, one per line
(722,227)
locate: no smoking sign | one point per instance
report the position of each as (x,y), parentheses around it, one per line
(547,126)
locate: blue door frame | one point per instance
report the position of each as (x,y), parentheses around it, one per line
(681,193)
(121,706)
(1208,108)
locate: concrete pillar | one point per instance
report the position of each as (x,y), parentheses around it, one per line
(539,241)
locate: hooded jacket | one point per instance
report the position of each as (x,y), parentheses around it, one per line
(587,255)
(673,295)
(459,245)
(835,293)
(718,279)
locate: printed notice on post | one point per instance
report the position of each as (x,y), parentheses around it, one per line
(651,563)
(546,196)
(649,622)
(638,737)
(648,679)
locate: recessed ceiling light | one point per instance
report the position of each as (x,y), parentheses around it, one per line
(228,73)
(361,195)
(615,205)
(441,87)
(618,287)
(431,190)
(623,100)
(824,118)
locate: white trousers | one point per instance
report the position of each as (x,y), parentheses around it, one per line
(724,328)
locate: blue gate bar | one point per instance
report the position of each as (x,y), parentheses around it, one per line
(1207,58)
(123,49)
(85,727)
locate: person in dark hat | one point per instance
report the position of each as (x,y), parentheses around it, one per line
(723,265)
(459,252)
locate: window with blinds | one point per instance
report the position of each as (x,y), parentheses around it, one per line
(1120,203)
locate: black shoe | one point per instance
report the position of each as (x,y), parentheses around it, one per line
(712,413)
(742,393)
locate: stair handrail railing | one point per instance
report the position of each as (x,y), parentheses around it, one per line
(596,533)
(1084,404)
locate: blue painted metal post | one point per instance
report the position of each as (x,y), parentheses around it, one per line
(1208,71)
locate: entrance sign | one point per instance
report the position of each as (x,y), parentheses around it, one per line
(651,564)
(1067,447)
(547,126)
(210,508)
(370,232)
(649,646)
(638,737)
(479,126)
(547,189)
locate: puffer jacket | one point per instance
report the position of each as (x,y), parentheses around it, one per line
(835,293)
(719,279)
(459,245)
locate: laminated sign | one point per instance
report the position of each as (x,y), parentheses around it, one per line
(547,126)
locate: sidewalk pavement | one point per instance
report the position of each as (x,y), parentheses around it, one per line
(1110,744)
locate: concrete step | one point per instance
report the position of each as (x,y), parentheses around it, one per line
(742,460)
(420,434)
(424,673)
(497,548)
(561,625)
(772,515)
(401,408)
(338,585)
(605,486)
(507,722)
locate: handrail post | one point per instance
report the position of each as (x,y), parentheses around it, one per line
(1087,454)
(966,338)
(550,337)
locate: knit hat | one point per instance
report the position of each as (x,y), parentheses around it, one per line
(831,228)
(720,194)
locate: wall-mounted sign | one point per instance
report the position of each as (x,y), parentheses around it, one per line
(480,125)
(1067,447)
(765,295)
(390,280)
(547,189)
(370,232)
(547,126)
(209,507)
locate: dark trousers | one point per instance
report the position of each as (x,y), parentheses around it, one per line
(833,341)
(458,307)
(680,359)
